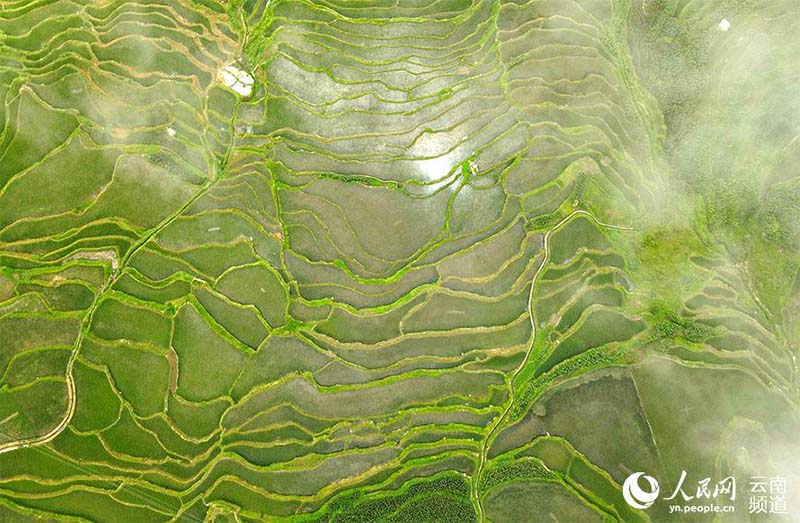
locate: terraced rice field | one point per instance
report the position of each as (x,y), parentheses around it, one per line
(423,261)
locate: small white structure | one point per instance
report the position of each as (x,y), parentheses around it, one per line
(171,131)
(237,79)
(724,25)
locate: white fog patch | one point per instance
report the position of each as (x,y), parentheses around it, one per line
(724,25)
(237,79)
(434,173)
(434,169)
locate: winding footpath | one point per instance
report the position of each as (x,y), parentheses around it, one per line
(87,322)
(499,421)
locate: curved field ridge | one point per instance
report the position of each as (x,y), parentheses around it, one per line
(368,261)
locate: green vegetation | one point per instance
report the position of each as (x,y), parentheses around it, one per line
(366,261)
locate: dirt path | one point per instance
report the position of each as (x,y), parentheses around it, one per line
(499,421)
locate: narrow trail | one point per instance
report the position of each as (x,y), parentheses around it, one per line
(476,498)
(117,270)
(115,275)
